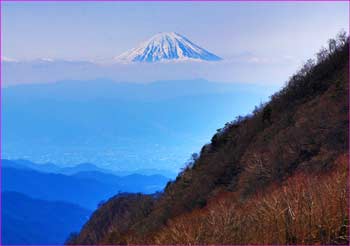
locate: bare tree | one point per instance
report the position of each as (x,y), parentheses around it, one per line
(341,38)
(332,45)
(307,67)
(322,55)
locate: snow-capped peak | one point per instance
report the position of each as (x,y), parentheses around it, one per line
(167,46)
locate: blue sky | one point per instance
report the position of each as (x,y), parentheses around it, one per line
(85,30)
(272,39)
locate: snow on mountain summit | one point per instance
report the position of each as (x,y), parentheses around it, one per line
(167,46)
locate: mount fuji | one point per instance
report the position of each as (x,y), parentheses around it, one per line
(167,46)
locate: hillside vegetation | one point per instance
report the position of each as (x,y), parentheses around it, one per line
(277,176)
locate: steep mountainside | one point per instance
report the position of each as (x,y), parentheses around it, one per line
(277,176)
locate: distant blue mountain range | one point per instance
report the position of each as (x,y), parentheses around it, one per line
(32,221)
(43,204)
(83,167)
(83,187)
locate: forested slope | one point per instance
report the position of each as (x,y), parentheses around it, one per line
(277,176)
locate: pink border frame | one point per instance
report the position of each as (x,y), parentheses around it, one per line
(218,1)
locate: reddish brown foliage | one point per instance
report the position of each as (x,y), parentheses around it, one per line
(304,210)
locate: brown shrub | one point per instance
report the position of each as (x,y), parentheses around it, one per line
(306,209)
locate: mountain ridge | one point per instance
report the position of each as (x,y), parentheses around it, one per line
(40,221)
(86,189)
(295,145)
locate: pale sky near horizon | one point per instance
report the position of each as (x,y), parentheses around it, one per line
(101,30)
(261,42)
